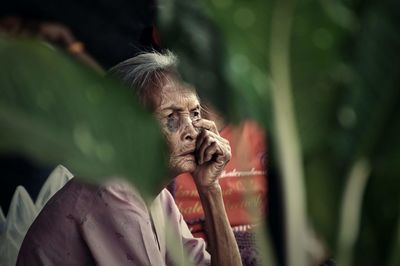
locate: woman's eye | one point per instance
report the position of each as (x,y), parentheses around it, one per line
(172,115)
(195,115)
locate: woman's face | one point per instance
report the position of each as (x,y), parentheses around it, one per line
(178,108)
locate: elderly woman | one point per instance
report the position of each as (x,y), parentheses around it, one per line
(84,224)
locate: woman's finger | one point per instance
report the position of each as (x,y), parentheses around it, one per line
(208,141)
(206,124)
(210,151)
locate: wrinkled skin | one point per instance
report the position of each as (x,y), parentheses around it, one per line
(195,144)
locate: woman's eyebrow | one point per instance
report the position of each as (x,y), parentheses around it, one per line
(195,108)
(178,108)
(172,107)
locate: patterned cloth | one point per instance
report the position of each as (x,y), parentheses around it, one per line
(244,175)
(246,243)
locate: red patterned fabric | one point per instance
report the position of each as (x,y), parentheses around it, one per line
(245,173)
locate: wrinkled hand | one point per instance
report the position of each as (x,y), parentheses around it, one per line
(212,153)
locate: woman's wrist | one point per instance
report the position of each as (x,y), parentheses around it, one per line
(212,188)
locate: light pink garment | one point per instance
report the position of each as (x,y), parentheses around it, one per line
(110,225)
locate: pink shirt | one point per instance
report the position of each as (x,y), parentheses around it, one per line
(85,224)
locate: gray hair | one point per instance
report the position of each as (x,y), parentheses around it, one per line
(145,73)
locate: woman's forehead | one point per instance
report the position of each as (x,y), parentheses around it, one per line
(178,94)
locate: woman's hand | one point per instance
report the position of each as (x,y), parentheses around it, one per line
(212,154)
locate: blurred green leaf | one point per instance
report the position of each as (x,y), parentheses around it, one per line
(54,110)
(227,70)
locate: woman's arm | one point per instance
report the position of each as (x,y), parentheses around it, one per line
(213,153)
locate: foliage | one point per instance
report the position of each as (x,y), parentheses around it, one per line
(339,62)
(56,111)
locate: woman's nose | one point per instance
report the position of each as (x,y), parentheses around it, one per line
(189,131)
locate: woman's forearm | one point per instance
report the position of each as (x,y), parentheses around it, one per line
(222,243)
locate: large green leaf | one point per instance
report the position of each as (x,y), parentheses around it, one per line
(55,111)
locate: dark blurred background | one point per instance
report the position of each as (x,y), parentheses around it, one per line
(111,30)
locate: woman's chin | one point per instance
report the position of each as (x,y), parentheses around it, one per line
(184,165)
